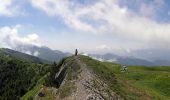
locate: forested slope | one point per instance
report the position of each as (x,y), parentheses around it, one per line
(18,76)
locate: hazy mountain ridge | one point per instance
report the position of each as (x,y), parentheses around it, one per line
(22,56)
(160,57)
(42,52)
(139,57)
(122,60)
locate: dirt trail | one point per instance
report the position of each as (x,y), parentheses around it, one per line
(87,89)
(83,84)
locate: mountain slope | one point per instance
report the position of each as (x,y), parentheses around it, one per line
(137,83)
(18,76)
(22,56)
(84,78)
(77,83)
(80,77)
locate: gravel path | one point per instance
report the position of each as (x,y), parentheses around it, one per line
(83,84)
(85,88)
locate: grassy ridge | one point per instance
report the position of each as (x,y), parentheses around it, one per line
(69,85)
(46,85)
(33,92)
(138,83)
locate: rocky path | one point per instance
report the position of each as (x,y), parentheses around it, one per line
(83,84)
(89,86)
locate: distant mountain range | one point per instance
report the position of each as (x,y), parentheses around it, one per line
(121,60)
(45,54)
(160,57)
(129,60)
(42,52)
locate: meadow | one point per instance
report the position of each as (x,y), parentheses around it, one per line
(137,83)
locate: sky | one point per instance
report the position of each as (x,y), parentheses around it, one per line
(100,26)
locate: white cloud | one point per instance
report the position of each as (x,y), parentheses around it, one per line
(151,9)
(63,9)
(27,52)
(117,48)
(110,18)
(8,8)
(36,53)
(112,60)
(9,37)
(103,47)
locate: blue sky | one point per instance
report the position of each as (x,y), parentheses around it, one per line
(118,26)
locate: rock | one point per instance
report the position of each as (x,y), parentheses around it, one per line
(41,94)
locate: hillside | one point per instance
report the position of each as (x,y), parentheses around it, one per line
(79,77)
(137,83)
(73,81)
(22,56)
(83,78)
(18,75)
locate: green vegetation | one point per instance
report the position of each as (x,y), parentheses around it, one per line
(24,79)
(49,81)
(18,76)
(72,71)
(47,85)
(138,83)
(33,92)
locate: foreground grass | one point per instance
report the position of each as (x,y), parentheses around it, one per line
(33,92)
(138,83)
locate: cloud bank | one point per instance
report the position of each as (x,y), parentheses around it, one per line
(9,8)
(134,27)
(9,37)
(108,17)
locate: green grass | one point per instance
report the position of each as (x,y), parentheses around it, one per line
(138,83)
(154,81)
(49,94)
(48,91)
(33,92)
(72,73)
(65,89)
